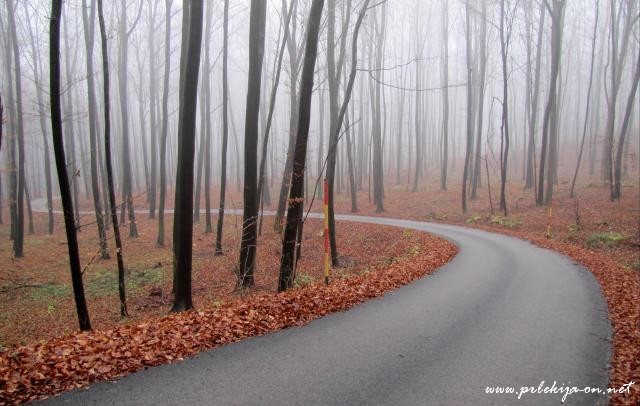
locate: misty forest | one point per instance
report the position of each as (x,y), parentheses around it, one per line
(176,175)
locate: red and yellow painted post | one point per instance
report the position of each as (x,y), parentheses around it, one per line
(327,263)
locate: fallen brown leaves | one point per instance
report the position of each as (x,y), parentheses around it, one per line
(60,364)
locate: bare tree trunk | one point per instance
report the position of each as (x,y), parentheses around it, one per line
(207,130)
(530,179)
(88,23)
(623,133)
(465,175)
(18,195)
(165,122)
(475,183)
(556,45)
(153,82)
(58,147)
(378,175)
(504,143)
(247,262)
(445,97)
(294,65)
(183,224)
(586,113)
(37,69)
(296,206)
(108,164)
(225,128)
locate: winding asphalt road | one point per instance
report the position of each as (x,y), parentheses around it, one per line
(502,313)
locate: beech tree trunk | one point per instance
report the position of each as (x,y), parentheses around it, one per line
(183,225)
(58,147)
(296,200)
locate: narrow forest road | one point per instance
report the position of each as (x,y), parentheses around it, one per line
(502,313)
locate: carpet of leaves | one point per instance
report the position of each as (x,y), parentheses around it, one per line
(36,371)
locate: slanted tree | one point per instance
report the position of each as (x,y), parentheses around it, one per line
(247,262)
(296,200)
(63,179)
(183,225)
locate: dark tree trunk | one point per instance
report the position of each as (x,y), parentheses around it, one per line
(296,205)
(247,263)
(58,147)
(108,164)
(225,129)
(183,225)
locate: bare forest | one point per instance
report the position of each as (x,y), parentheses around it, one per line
(180,174)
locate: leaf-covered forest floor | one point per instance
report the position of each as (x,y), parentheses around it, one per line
(601,235)
(378,260)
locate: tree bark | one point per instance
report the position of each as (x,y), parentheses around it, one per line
(109,166)
(58,147)
(296,201)
(225,128)
(183,225)
(247,262)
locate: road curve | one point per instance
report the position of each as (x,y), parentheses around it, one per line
(502,313)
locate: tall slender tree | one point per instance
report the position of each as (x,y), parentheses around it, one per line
(108,162)
(225,127)
(165,122)
(296,200)
(18,229)
(556,11)
(63,180)
(88,24)
(247,263)
(183,225)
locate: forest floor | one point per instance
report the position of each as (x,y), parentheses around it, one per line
(601,235)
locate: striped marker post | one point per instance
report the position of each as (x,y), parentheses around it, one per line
(326,232)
